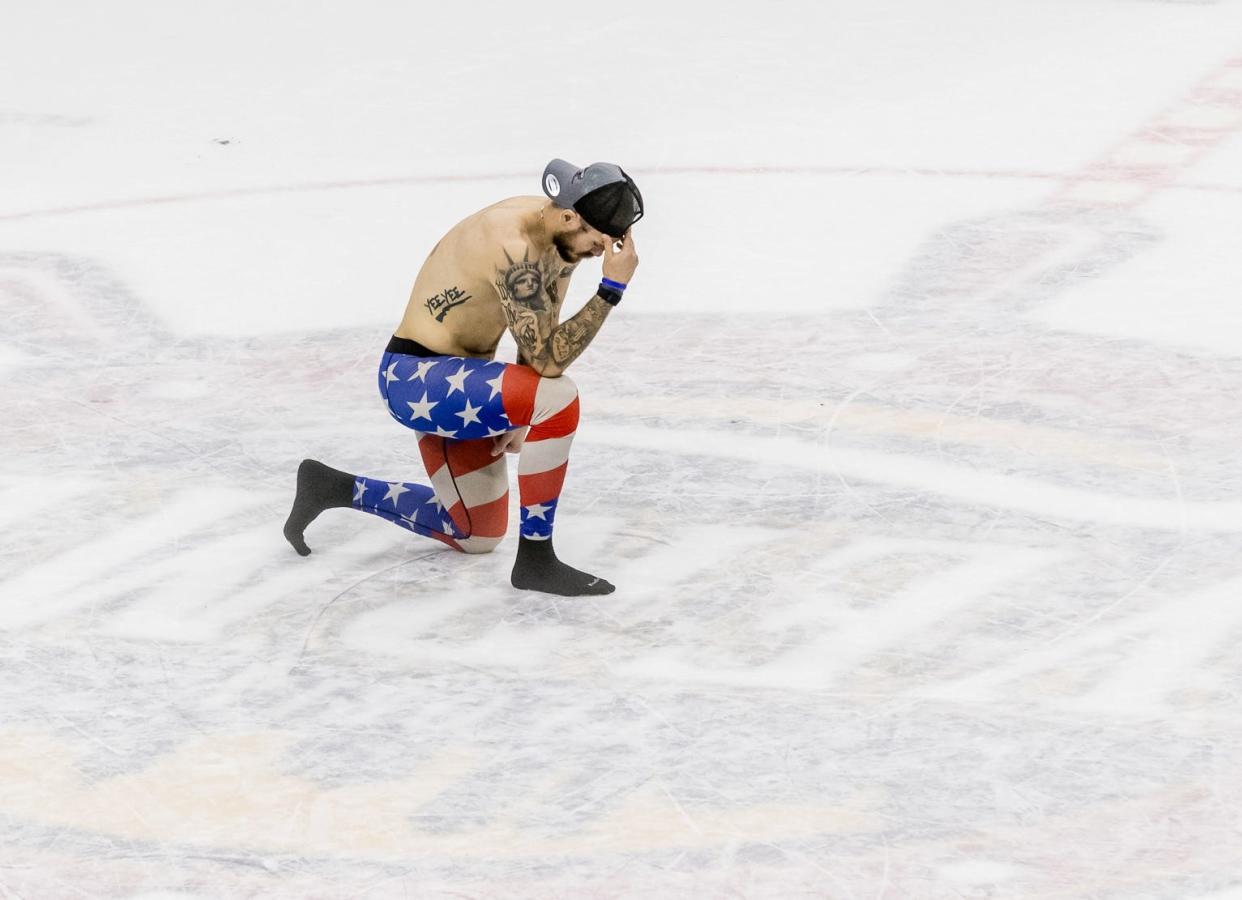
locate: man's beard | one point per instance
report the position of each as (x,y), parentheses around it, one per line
(561,241)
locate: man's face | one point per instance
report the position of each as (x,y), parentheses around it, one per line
(576,244)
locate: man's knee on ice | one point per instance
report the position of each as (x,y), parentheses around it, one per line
(479,544)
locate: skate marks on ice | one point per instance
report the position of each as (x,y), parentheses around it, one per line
(1103,472)
(861,557)
(470,616)
(1041,443)
(367,779)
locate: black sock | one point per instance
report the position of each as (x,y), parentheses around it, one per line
(319,487)
(537,569)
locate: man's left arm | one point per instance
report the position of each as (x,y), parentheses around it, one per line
(557,289)
(550,349)
(570,338)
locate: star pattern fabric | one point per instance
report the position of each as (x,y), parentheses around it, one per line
(414,507)
(537,520)
(420,409)
(448,396)
(457,406)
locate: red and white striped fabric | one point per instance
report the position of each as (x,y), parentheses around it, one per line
(459,406)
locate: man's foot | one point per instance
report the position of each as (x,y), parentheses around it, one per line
(537,569)
(319,487)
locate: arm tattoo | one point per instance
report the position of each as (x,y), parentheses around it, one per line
(522,282)
(531,299)
(571,338)
(526,331)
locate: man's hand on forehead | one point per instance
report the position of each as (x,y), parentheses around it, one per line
(620,258)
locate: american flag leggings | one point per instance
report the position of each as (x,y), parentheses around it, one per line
(457,406)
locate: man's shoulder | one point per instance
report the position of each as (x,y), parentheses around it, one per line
(505,217)
(494,243)
(502,226)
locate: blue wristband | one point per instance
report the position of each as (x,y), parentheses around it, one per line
(612,285)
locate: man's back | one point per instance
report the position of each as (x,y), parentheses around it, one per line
(454,306)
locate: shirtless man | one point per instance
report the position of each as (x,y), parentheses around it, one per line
(507,266)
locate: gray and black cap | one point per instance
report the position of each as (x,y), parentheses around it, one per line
(607,199)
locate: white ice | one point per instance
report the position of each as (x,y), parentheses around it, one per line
(913,449)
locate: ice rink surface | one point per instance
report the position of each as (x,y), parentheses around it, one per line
(913,451)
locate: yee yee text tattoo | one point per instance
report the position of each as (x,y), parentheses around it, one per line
(441,303)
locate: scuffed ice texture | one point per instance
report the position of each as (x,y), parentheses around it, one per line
(931,593)
(953,628)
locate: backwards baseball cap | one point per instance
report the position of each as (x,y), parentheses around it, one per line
(607,199)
